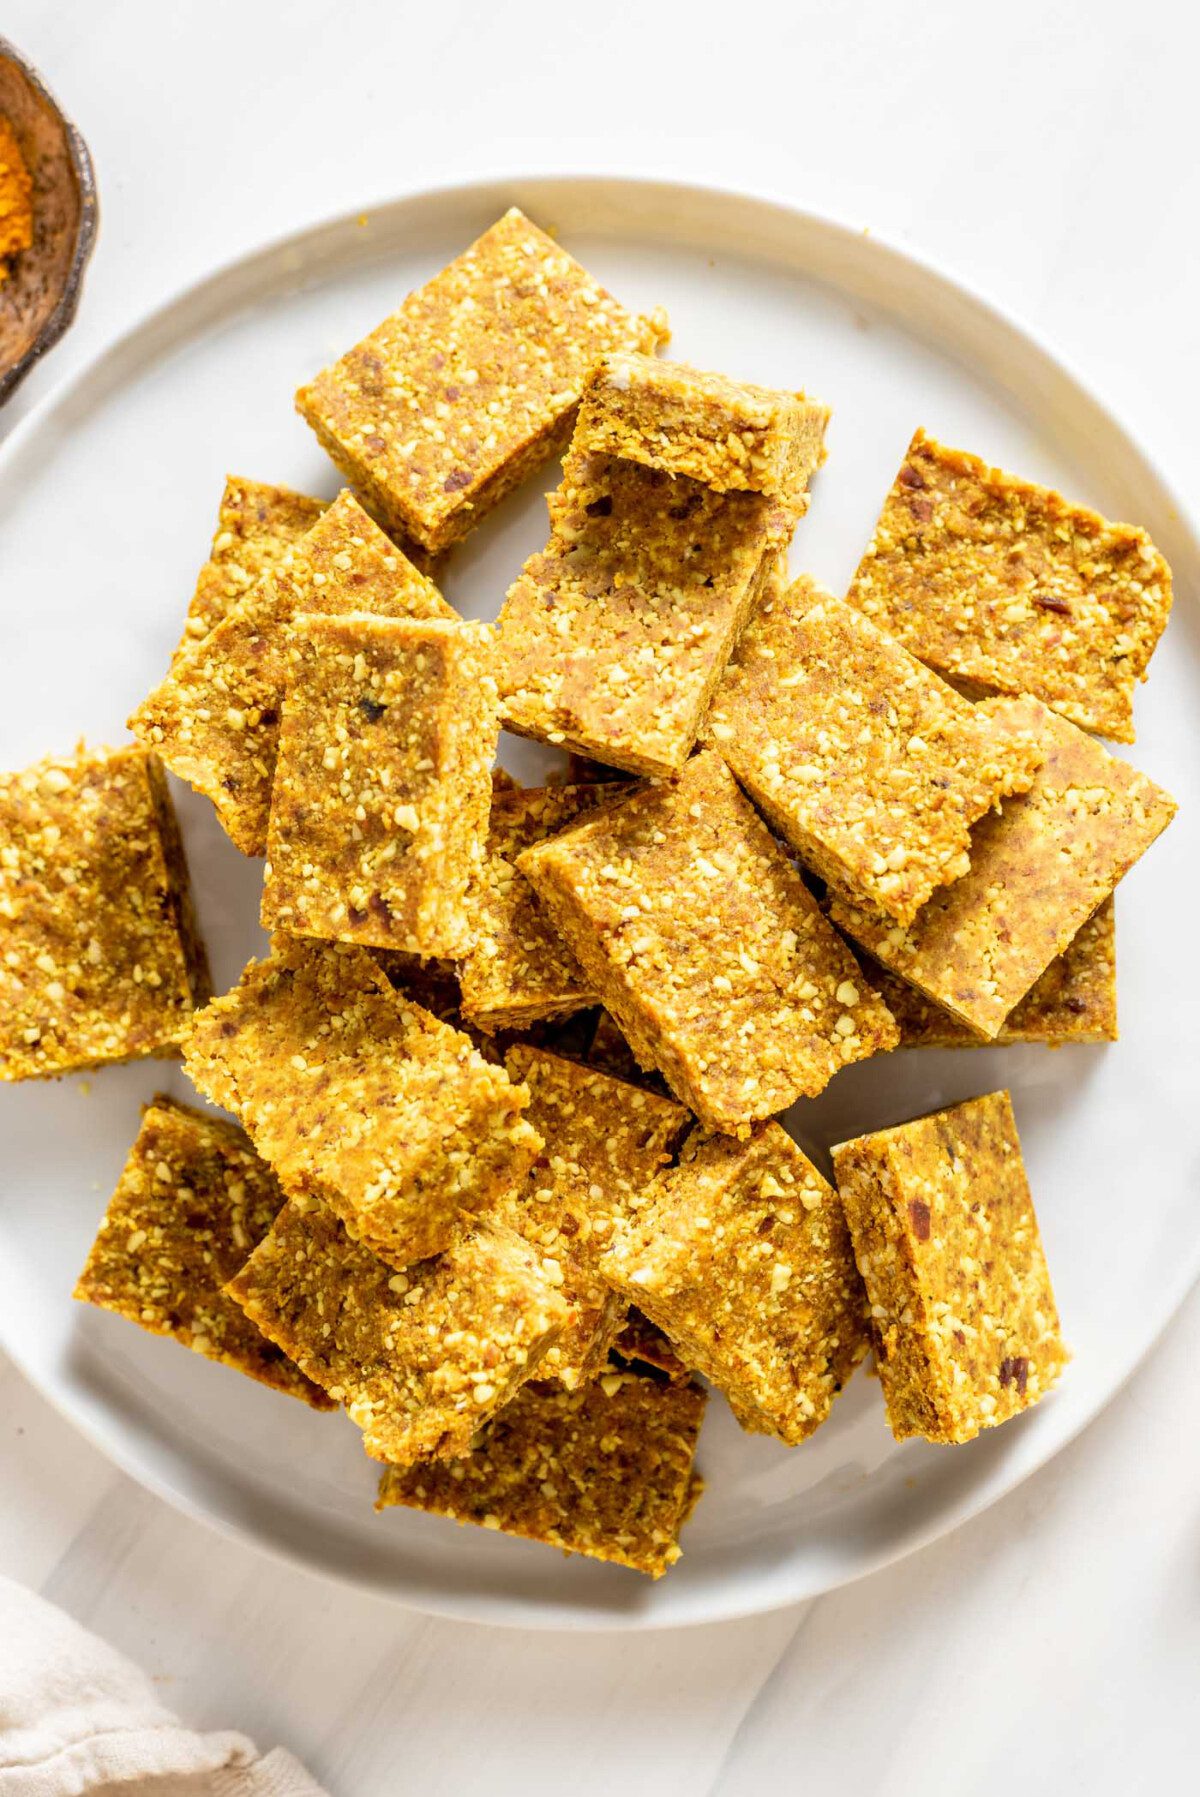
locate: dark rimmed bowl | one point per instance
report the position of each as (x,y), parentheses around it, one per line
(40,296)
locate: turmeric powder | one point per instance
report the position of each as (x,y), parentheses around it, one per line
(16,187)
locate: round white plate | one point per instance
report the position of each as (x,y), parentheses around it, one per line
(107,496)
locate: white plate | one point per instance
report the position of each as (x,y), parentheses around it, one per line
(107,496)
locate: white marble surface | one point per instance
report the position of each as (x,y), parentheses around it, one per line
(1046,154)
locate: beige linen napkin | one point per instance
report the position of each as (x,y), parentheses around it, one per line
(75,1718)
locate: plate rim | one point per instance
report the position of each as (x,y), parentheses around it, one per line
(503,1611)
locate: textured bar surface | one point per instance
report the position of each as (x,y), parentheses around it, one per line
(421,1359)
(360,1097)
(963,1316)
(1039,869)
(1009,588)
(193,1201)
(741,1255)
(605,1140)
(379,808)
(605,1471)
(1074,1001)
(518,969)
(869,764)
(707,947)
(730,435)
(100,956)
(257,527)
(214,719)
(472,383)
(613,637)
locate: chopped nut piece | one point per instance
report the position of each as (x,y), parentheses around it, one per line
(472,384)
(604,1142)
(1074,1001)
(964,1322)
(599,1471)
(193,1201)
(730,435)
(257,527)
(1039,868)
(518,969)
(1008,588)
(100,957)
(613,637)
(380,803)
(707,947)
(421,1358)
(358,1096)
(869,764)
(215,717)
(741,1255)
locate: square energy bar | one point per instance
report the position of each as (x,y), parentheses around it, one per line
(605,1471)
(214,719)
(379,808)
(421,1359)
(1039,868)
(605,1141)
(741,1255)
(868,763)
(1074,1001)
(473,383)
(730,435)
(1008,588)
(963,1316)
(100,956)
(192,1202)
(257,526)
(518,970)
(354,1093)
(613,637)
(703,941)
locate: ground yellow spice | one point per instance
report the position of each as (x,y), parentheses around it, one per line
(16,208)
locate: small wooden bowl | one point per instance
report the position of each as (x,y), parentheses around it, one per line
(40,296)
